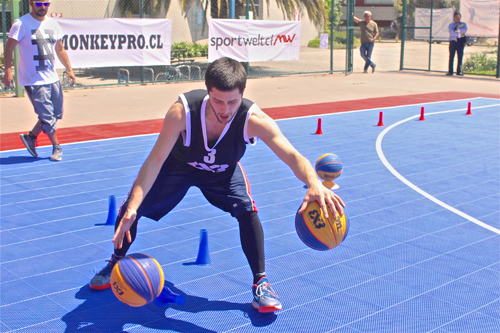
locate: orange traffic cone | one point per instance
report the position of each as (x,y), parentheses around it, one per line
(422,117)
(469,110)
(380,121)
(318,130)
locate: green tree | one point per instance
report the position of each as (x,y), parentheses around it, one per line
(412,4)
(315,9)
(337,9)
(150,7)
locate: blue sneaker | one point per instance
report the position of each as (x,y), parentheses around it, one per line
(102,279)
(264,298)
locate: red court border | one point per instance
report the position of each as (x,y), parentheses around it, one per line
(9,141)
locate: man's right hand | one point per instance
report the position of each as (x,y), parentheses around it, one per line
(124,228)
(7,78)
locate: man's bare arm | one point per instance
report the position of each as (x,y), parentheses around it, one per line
(7,60)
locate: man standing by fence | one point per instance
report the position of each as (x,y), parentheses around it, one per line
(457,30)
(369,32)
(37,37)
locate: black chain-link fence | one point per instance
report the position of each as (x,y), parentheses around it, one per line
(425,35)
(190,45)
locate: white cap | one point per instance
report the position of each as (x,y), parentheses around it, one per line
(367,12)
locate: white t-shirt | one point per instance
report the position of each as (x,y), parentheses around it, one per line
(36,44)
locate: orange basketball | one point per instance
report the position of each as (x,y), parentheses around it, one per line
(320,233)
(137,279)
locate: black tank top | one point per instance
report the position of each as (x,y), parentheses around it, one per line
(192,148)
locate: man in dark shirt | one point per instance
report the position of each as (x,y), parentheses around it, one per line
(203,138)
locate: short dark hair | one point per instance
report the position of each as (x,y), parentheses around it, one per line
(457,13)
(225,74)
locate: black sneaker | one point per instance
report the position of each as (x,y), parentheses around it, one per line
(29,143)
(102,279)
(373,68)
(56,153)
(449,74)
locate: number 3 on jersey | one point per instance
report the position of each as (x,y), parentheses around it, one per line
(210,158)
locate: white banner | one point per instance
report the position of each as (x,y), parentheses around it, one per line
(254,41)
(441,19)
(481,17)
(112,42)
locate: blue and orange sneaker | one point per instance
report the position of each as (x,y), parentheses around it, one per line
(102,279)
(264,298)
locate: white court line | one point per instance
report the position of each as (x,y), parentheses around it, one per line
(414,187)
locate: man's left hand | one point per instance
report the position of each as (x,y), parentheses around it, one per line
(71,78)
(325,198)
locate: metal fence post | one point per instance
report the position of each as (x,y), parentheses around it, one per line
(4,24)
(403,37)
(141,15)
(18,88)
(231,8)
(498,53)
(430,34)
(332,19)
(247,15)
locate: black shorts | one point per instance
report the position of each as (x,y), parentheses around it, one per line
(229,191)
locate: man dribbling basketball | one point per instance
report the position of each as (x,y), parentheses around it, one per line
(203,138)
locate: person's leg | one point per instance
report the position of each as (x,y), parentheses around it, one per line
(460,55)
(363,51)
(30,140)
(57,103)
(231,193)
(252,243)
(369,51)
(37,129)
(47,103)
(452,49)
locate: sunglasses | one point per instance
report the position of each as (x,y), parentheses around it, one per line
(40,4)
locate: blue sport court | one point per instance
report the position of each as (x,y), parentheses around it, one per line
(422,253)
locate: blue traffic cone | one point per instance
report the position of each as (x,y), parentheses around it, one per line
(203,253)
(112,211)
(167,296)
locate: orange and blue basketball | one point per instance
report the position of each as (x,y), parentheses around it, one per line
(329,167)
(137,279)
(320,233)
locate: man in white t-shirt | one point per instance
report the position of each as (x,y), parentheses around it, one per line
(37,37)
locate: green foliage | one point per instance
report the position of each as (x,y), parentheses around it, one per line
(313,43)
(151,8)
(339,41)
(411,5)
(193,49)
(481,63)
(337,11)
(315,9)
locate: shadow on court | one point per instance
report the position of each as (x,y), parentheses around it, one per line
(20,159)
(102,312)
